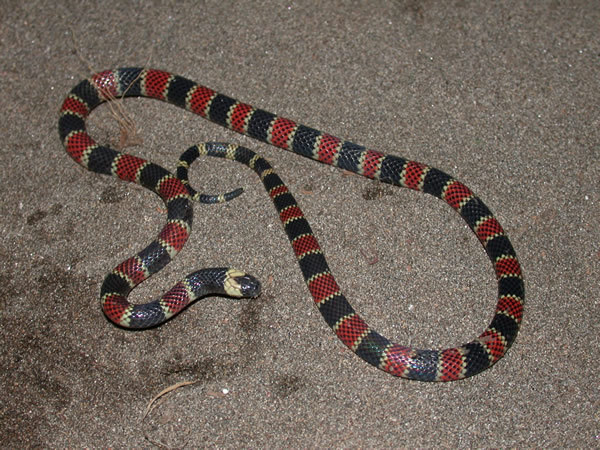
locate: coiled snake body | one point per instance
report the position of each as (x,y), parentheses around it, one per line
(424,365)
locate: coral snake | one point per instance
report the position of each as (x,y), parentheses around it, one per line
(424,365)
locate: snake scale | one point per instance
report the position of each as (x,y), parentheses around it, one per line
(407,362)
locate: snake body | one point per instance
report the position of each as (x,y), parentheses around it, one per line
(424,365)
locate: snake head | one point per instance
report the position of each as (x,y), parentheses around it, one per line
(240,284)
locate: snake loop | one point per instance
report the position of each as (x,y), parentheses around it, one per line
(424,365)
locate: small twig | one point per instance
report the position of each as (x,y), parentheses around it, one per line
(129,135)
(165,391)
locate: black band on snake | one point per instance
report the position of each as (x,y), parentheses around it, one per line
(424,365)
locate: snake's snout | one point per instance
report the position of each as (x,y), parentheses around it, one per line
(240,284)
(249,286)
